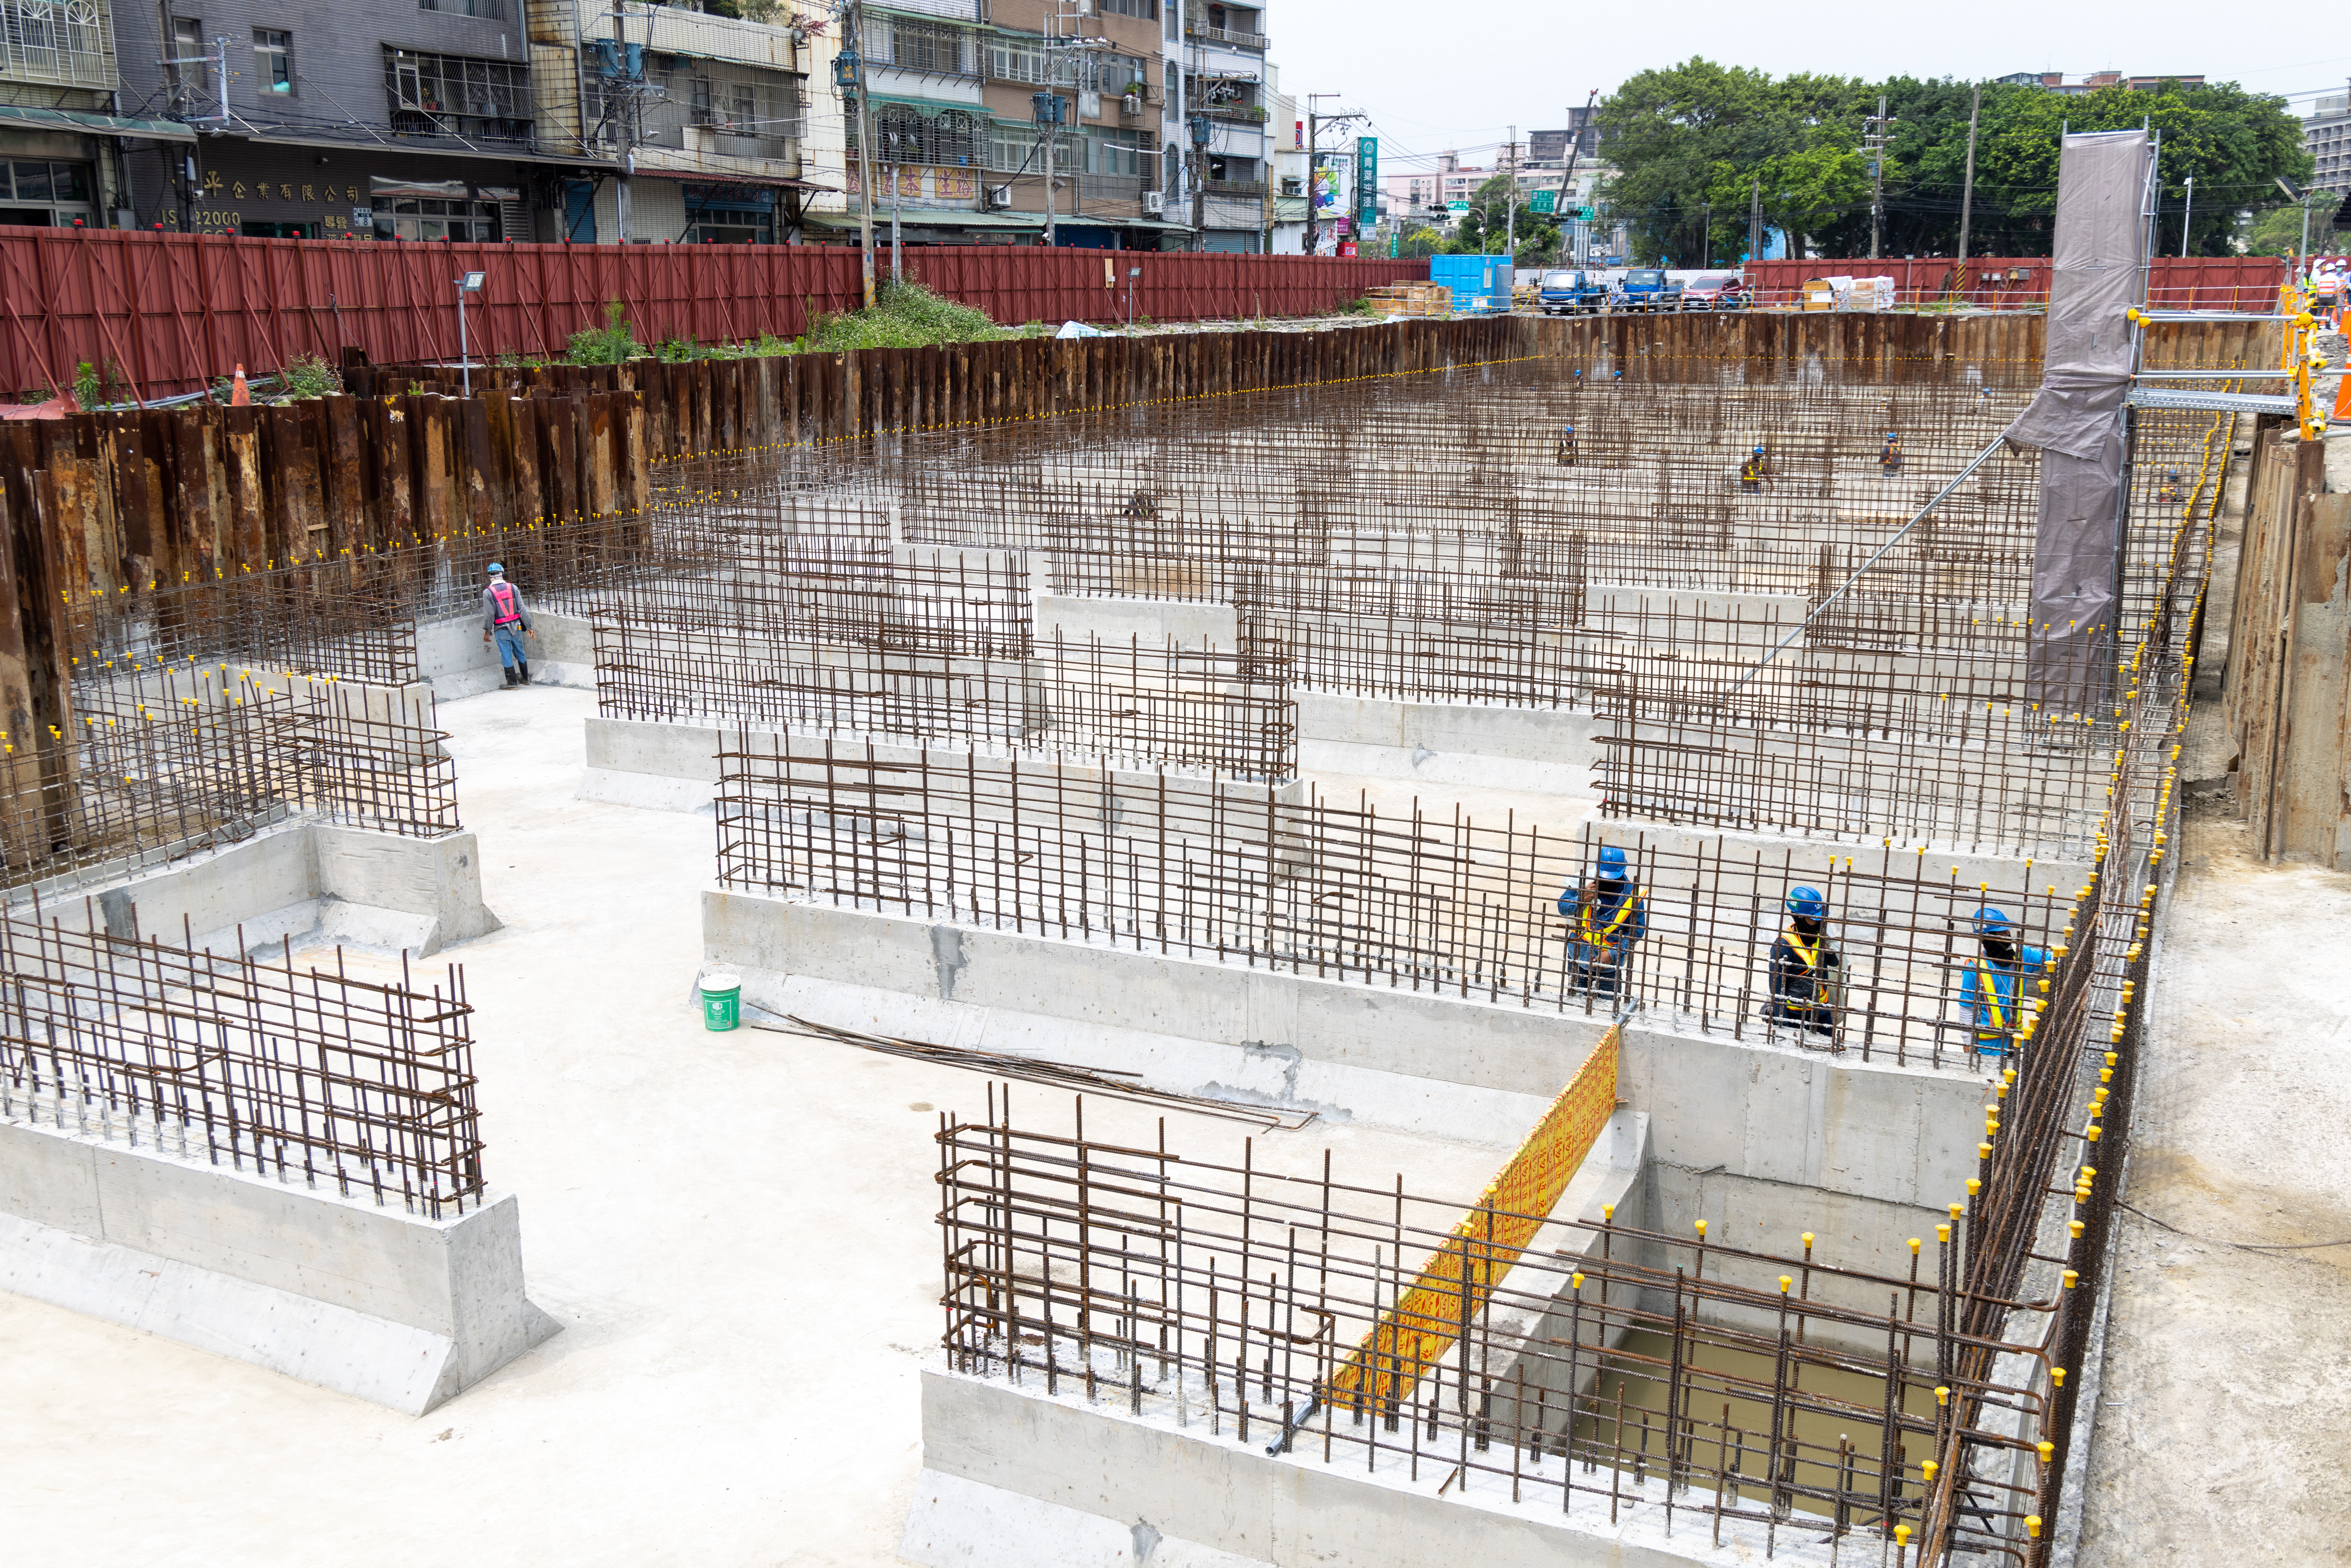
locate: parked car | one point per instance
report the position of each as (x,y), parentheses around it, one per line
(1568,292)
(1647,288)
(1715,291)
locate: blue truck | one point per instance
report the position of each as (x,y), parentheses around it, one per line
(1649,288)
(1565,291)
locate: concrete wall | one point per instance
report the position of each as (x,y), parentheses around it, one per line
(455,661)
(1012,1477)
(1765,1140)
(1487,746)
(1152,621)
(303,880)
(394,1308)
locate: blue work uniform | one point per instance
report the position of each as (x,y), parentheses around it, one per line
(1800,967)
(1601,935)
(1993,994)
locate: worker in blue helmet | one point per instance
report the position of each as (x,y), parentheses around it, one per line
(1807,975)
(1889,456)
(1751,473)
(1995,988)
(1605,917)
(1567,445)
(505,619)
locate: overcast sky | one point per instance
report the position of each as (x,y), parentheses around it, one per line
(1456,75)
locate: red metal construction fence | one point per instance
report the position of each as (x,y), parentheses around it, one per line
(173,312)
(2022,282)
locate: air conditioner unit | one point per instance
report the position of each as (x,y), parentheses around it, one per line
(999,195)
(1154,203)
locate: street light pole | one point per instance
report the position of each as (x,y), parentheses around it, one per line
(471,283)
(2187,216)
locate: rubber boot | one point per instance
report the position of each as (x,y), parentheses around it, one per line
(523,678)
(508,672)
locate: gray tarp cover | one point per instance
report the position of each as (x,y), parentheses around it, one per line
(2075,420)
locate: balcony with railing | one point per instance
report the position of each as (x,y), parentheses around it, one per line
(1230,37)
(56,43)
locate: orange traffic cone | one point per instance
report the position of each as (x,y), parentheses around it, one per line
(2343,398)
(239,394)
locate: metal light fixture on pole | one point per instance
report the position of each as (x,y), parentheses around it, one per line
(2187,216)
(469,284)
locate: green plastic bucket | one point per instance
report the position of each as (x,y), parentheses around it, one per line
(722,1001)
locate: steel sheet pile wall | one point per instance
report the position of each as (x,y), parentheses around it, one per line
(304,1075)
(2247,283)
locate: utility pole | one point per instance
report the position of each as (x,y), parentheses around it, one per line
(849,76)
(1705,236)
(1575,130)
(2186,213)
(1967,190)
(1874,143)
(1510,203)
(627,125)
(1755,221)
(1314,123)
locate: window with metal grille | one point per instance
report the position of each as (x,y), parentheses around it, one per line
(451,94)
(493,9)
(903,134)
(1146,9)
(928,47)
(59,41)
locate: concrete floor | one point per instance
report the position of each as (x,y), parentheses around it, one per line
(735,1230)
(2226,1407)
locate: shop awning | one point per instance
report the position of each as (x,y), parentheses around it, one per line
(13,117)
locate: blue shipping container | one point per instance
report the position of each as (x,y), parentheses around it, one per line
(1479,282)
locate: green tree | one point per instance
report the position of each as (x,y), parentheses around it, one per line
(1486,226)
(2277,231)
(1419,240)
(1693,143)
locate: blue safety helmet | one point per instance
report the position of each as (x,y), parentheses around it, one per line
(1806,904)
(1612,864)
(1990,922)
(497,570)
(1569,427)
(1759,451)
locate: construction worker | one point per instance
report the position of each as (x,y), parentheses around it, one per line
(1889,456)
(1807,979)
(1605,917)
(2170,491)
(1993,989)
(505,619)
(1751,473)
(1567,445)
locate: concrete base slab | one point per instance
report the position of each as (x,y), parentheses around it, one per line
(401,1309)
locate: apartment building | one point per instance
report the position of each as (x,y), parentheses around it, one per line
(60,125)
(470,120)
(1227,93)
(2327,136)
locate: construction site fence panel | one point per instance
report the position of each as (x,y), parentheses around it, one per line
(2243,283)
(176,311)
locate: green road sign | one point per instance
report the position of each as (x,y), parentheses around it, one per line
(1457,206)
(1544,201)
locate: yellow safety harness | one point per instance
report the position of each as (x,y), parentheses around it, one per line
(1809,955)
(1606,935)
